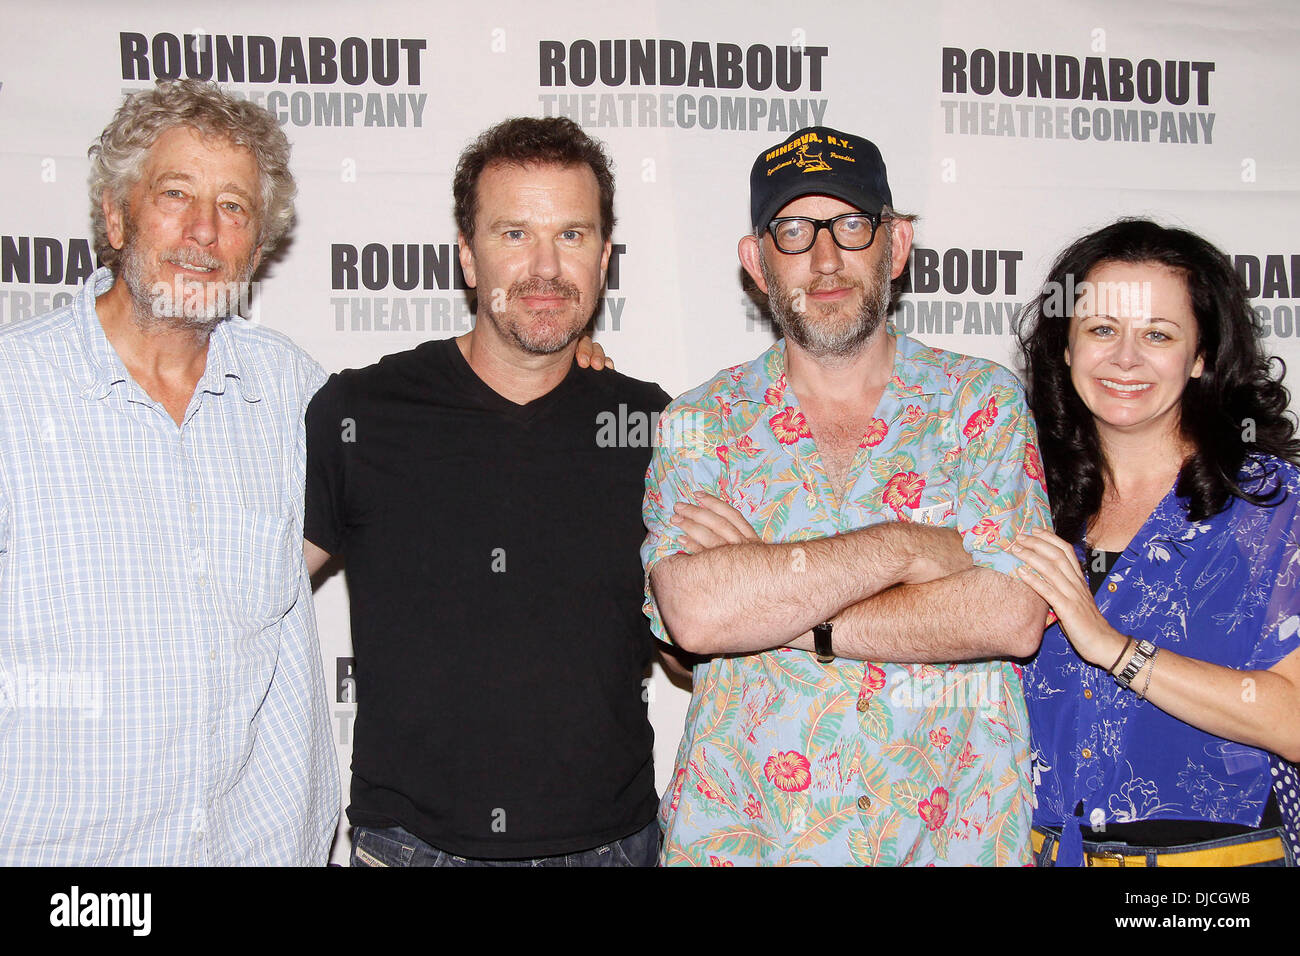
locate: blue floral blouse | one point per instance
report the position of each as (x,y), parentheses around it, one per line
(1224,590)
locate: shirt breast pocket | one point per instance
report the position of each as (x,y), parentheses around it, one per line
(942,513)
(937,502)
(262,570)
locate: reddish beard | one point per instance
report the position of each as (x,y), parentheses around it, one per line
(546,288)
(543,331)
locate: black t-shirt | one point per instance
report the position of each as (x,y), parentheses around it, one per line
(495,586)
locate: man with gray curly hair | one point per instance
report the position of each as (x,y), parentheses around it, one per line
(161,693)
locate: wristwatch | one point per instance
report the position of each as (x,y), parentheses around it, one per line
(1145,651)
(822,642)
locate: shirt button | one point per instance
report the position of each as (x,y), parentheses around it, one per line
(864,705)
(1087,693)
(1086,753)
(194,507)
(864,803)
(1112,587)
(212,656)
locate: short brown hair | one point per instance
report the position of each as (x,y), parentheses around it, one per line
(524,140)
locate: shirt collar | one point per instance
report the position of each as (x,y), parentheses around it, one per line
(911,377)
(104,364)
(227,357)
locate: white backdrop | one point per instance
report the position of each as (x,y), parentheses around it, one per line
(1008,129)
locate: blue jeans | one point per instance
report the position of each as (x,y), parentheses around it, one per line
(1044,856)
(395,846)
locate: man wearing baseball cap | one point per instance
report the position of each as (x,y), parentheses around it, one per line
(830,525)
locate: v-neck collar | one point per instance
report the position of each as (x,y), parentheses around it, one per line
(491,399)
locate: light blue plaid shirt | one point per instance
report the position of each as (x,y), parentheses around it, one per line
(161,693)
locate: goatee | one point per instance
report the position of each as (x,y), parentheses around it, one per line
(544,338)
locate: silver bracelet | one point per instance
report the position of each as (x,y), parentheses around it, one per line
(1150,670)
(1145,651)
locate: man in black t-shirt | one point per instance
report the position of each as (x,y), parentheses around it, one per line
(486,493)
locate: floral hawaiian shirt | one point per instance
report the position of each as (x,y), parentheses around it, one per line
(788,761)
(1224,590)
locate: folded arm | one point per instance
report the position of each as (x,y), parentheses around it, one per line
(975,613)
(886,587)
(736,594)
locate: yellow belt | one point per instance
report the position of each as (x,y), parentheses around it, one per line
(1238,854)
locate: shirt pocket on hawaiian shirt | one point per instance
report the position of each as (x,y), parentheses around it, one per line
(939,513)
(937,504)
(263,577)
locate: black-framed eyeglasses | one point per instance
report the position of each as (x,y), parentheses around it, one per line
(852,232)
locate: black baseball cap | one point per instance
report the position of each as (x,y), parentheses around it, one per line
(818,160)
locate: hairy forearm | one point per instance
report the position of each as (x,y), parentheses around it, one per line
(973,614)
(1257,708)
(739,598)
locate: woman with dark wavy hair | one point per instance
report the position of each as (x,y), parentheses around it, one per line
(1165,701)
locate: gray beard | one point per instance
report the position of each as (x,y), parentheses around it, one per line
(156,307)
(821,342)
